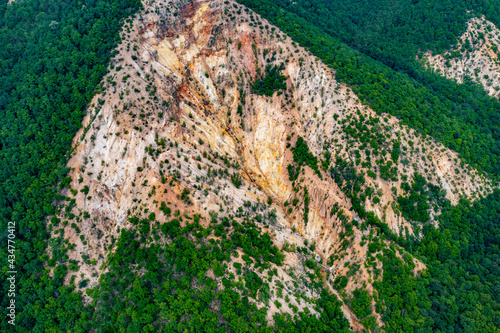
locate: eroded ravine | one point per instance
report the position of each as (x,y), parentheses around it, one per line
(179,107)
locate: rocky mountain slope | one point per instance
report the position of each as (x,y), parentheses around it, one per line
(210,110)
(474,58)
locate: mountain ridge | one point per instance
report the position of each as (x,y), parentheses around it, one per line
(179,75)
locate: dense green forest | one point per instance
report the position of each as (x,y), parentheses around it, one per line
(393,32)
(52,59)
(459,291)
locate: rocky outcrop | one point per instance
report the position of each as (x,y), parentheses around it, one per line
(475,57)
(179,123)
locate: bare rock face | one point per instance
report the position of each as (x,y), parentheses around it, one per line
(475,57)
(178,123)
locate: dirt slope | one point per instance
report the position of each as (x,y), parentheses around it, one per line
(177,122)
(475,57)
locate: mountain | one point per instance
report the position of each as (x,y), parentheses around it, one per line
(232,176)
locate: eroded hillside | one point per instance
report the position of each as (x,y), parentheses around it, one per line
(474,58)
(210,110)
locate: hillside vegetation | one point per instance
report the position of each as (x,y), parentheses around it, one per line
(53,57)
(376,57)
(246,166)
(433,105)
